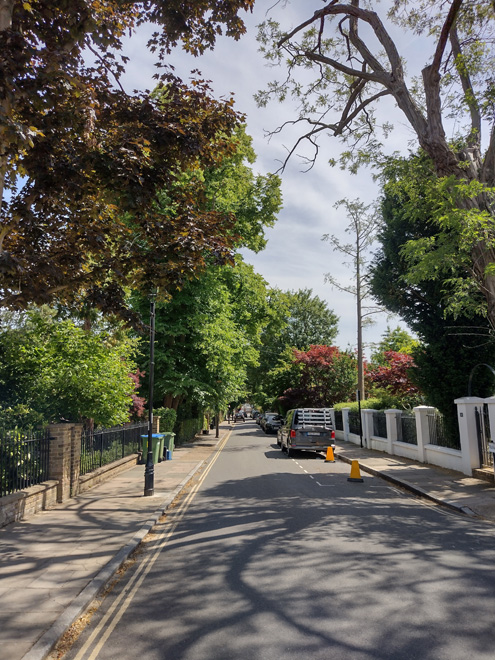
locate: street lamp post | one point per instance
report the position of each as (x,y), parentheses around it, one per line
(149,470)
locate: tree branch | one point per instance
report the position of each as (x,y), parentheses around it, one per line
(444,34)
(431,80)
(475,137)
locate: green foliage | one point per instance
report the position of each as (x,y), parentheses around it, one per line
(295,319)
(186,429)
(232,187)
(20,416)
(396,339)
(450,346)
(83,162)
(310,321)
(384,402)
(207,336)
(325,375)
(167,417)
(66,373)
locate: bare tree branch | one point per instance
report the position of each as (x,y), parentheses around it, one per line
(474,138)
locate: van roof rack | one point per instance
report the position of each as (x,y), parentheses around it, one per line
(315,416)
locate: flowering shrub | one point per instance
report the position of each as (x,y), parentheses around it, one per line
(394,376)
(327,375)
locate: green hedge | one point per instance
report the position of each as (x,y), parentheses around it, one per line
(168,417)
(186,429)
(376,403)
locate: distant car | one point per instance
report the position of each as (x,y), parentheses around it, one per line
(272,423)
(255,414)
(239,415)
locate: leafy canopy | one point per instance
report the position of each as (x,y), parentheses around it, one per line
(326,376)
(83,162)
(63,372)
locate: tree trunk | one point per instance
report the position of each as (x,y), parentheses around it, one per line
(359,322)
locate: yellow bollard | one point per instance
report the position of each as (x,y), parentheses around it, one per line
(330,457)
(355,472)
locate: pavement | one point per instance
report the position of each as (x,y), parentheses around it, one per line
(54,564)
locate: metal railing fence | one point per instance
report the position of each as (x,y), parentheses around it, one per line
(339,420)
(102,446)
(380,424)
(354,422)
(24,459)
(406,428)
(438,432)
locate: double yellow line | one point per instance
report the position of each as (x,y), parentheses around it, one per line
(116,611)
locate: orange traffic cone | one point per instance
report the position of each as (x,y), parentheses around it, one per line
(330,457)
(355,473)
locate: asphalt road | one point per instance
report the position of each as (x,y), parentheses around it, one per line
(274,558)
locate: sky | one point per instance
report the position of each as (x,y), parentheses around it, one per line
(296,257)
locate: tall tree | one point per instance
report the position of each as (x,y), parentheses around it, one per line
(310,321)
(356,63)
(363,225)
(207,335)
(296,319)
(451,345)
(82,161)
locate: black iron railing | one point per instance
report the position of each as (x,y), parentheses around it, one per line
(339,421)
(24,459)
(102,446)
(380,424)
(438,432)
(406,428)
(354,422)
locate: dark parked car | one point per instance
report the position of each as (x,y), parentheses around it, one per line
(264,417)
(239,416)
(272,423)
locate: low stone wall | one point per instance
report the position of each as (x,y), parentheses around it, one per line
(27,502)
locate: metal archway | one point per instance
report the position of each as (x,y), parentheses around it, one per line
(481,364)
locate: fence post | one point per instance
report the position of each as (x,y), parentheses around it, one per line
(422,428)
(156,425)
(467,430)
(59,467)
(75,468)
(345,423)
(392,418)
(367,417)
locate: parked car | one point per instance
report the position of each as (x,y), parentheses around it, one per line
(263,418)
(307,428)
(272,423)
